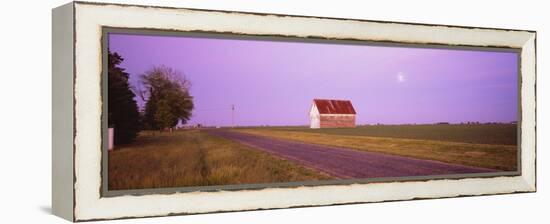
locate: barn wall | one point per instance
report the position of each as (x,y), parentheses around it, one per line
(337,121)
(314,117)
(314,122)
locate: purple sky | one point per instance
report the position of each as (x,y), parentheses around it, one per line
(273,83)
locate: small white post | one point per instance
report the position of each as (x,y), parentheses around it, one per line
(111,138)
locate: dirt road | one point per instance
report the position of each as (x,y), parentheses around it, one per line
(347,163)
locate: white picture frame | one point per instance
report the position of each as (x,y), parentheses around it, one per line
(77,110)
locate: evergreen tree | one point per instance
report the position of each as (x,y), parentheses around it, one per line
(123,113)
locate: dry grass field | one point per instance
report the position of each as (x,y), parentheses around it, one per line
(426,145)
(195,158)
(500,134)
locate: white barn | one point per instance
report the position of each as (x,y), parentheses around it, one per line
(325,113)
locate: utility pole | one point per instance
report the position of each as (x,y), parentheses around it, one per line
(232,115)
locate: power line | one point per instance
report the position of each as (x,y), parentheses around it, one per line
(212,109)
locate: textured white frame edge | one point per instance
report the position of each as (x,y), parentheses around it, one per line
(76,74)
(62,111)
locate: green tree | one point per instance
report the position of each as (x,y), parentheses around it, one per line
(123,113)
(168,99)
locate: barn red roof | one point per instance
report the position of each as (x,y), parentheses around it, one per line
(334,106)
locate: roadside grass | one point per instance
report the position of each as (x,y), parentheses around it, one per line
(499,157)
(502,134)
(195,158)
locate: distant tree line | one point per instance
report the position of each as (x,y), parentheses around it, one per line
(165,93)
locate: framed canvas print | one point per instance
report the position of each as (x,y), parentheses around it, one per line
(165,111)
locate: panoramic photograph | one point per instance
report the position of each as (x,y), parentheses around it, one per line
(196,111)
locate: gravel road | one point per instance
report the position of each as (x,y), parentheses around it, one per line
(347,163)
